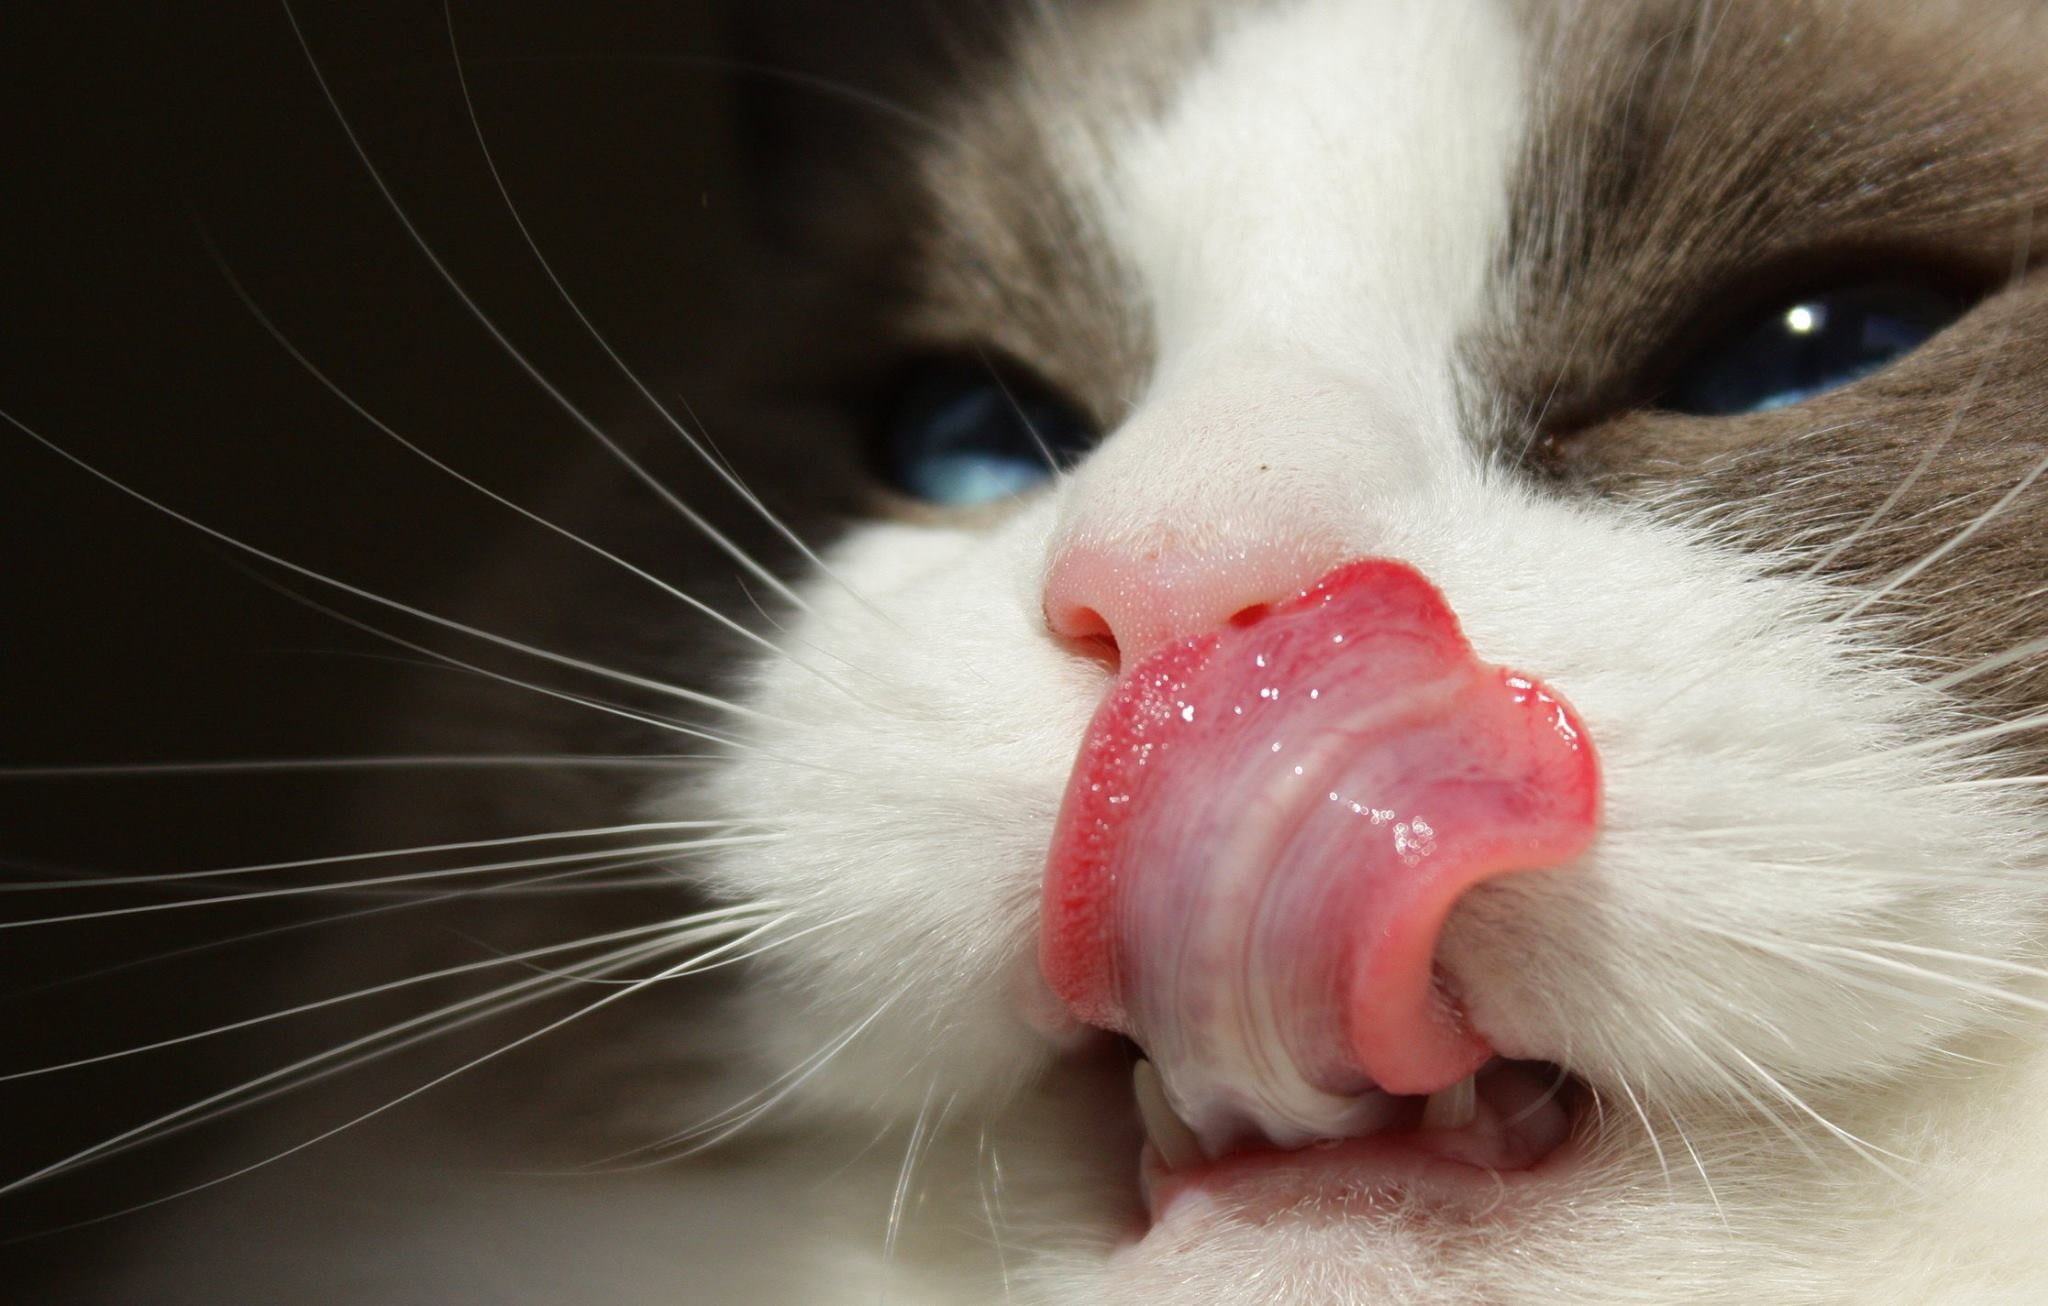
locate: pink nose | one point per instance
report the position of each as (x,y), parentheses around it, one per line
(1269,823)
(1140,599)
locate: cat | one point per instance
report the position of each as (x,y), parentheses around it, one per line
(1665,370)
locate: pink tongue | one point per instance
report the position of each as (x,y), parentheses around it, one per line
(1264,832)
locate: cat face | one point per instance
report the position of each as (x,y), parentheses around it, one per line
(1496,292)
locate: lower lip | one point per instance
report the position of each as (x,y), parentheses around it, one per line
(1380,1171)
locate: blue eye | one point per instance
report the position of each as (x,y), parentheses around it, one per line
(961,435)
(1819,343)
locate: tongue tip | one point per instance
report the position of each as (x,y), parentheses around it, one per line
(1421,1067)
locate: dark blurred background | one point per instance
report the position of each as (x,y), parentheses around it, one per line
(143,147)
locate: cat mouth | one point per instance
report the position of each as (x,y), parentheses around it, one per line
(1509,1123)
(1263,838)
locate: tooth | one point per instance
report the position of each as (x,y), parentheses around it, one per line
(1453,1107)
(1175,1142)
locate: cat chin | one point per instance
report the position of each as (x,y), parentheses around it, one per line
(1726,1213)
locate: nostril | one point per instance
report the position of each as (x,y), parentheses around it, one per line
(1138,599)
(1077,621)
(1084,630)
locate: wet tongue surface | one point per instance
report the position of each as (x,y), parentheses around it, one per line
(1261,838)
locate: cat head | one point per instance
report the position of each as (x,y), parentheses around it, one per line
(1688,355)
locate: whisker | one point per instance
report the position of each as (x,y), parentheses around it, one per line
(240,1098)
(989,1179)
(300,891)
(1968,959)
(292,927)
(1942,743)
(1700,1165)
(847,93)
(512,351)
(700,928)
(1997,662)
(381,854)
(439,658)
(725,955)
(995,375)
(588,883)
(1992,782)
(2021,255)
(355,591)
(391,762)
(332,387)
(868,673)
(1534,427)
(1992,991)
(715,1129)
(899,1202)
(1742,1089)
(1557,1084)
(1867,1150)
(1649,1130)
(717,464)
(333,1061)
(1906,574)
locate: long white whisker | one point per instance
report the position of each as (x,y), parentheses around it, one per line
(680,969)
(589,883)
(702,927)
(1649,1130)
(1992,991)
(332,387)
(1867,1150)
(900,1200)
(1940,743)
(383,854)
(722,1125)
(300,891)
(504,342)
(2021,254)
(391,762)
(293,927)
(1742,1089)
(1533,429)
(683,728)
(673,972)
(1906,574)
(725,956)
(1701,1166)
(843,91)
(1966,958)
(1991,782)
(244,1096)
(1997,662)
(333,1061)
(717,464)
(1557,1084)
(989,1176)
(356,591)
(1808,956)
